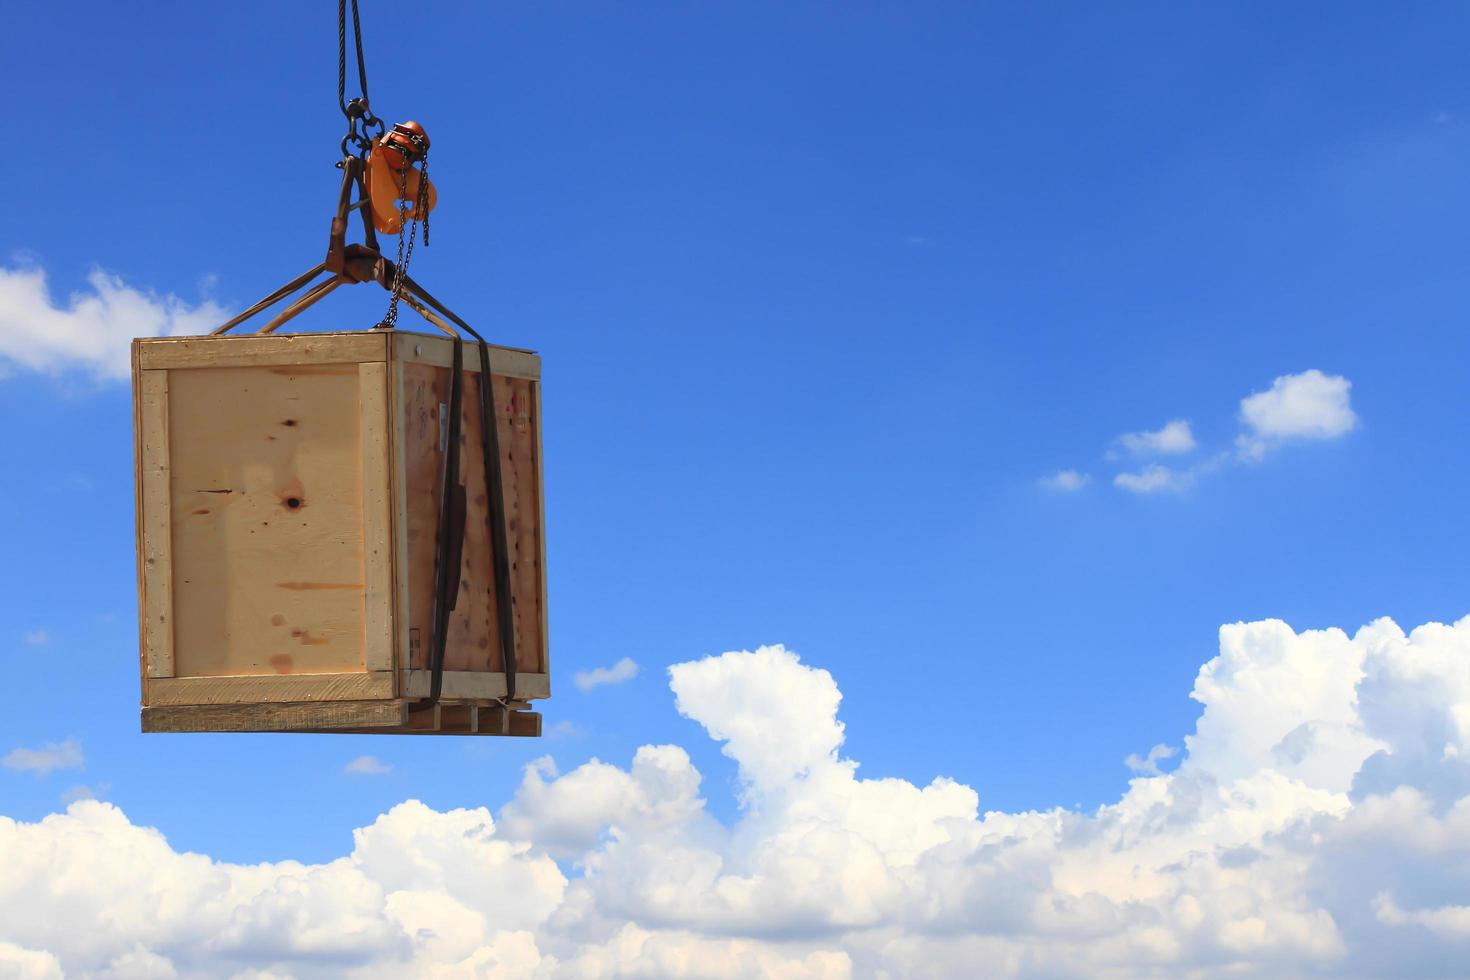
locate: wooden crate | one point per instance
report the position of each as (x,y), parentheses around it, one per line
(288,497)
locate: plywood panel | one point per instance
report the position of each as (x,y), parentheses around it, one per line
(473,642)
(267,500)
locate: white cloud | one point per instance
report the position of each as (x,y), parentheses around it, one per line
(1309,405)
(51,756)
(367,765)
(83,792)
(1065,481)
(19,963)
(91,330)
(623,670)
(1315,825)
(1446,921)
(36,638)
(1154,479)
(1148,765)
(1173,439)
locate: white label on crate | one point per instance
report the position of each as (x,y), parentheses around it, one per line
(443,427)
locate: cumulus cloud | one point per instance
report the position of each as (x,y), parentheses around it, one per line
(623,670)
(83,792)
(51,756)
(1174,438)
(1154,479)
(1148,765)
(367,765)
(1065,481)
(28,964)
(1310,405)
(1317,823)
(91,329)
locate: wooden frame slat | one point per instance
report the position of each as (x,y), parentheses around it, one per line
(328,716)
(156,353)
(377,531)
(511,362)
(156,524)
(375,685)
(472,684)
(397,440)
(541,533)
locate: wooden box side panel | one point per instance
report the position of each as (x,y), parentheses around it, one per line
(473,643)
(268,522)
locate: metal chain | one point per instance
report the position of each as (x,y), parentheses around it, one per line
(411,226)
(423,201)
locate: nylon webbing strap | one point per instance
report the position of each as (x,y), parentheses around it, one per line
(450,549)
(499,546)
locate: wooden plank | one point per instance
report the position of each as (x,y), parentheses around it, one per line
(520,472)
(377,534)
(267,520)
(523,724)
(544,653)
(457,718)
(335,716)
(425,396)
(261,351)
(157,539)
(526,724)
(351,686)
(472,685)
(423,719)
(138,524)
(397,515)
(472,641)
(488,720)
(438,351)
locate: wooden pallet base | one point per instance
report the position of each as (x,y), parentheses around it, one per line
(345,717)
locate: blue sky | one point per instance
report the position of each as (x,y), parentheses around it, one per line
(824,293)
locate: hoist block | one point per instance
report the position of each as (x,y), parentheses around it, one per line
(288,501)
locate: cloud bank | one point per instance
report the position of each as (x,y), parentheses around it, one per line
(91,331)
(1317,824)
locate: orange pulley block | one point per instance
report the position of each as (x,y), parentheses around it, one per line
(391,177)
